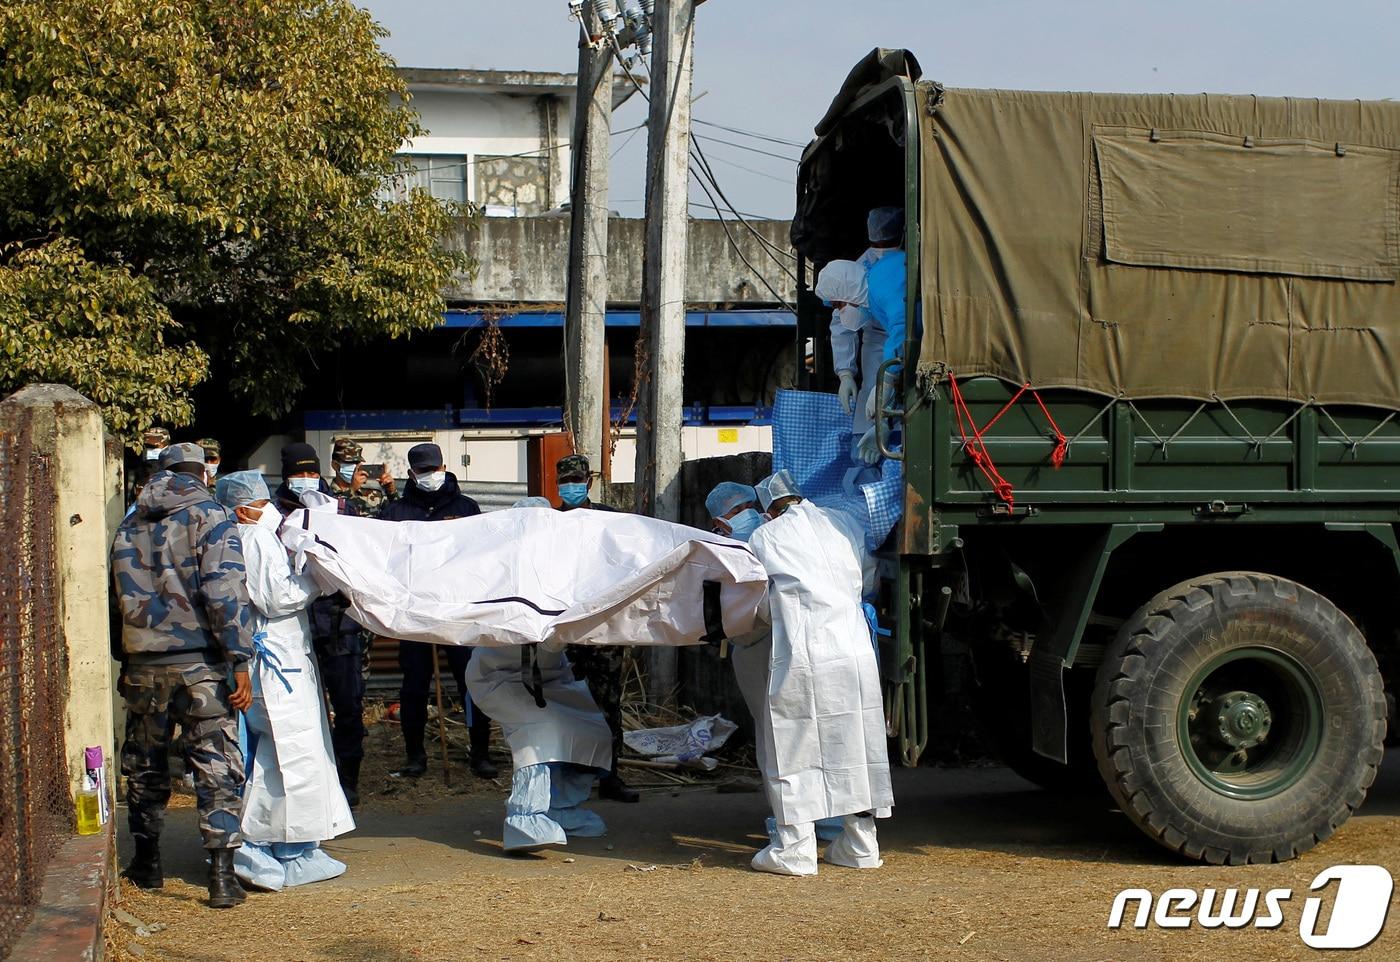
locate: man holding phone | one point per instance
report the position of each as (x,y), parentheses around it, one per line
(352,475)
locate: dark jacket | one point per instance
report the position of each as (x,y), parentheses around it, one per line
(177,570)
(591,505)
(287,501)
(444,504)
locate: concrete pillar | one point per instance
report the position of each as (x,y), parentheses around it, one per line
(67,428)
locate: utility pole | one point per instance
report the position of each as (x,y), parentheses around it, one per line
(663,284)
(586,308)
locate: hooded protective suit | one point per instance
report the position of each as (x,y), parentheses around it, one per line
(825,754)
(857,336)
(293,794)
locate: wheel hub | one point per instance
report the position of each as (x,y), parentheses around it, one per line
(1240,719)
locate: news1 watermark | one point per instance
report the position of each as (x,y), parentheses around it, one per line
(1359,895)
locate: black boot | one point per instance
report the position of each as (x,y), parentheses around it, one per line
(611,786)
(482,766)
(224,890)
(349,772)
(145,871)
(415,767)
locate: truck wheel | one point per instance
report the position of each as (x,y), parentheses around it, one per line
(1239,718)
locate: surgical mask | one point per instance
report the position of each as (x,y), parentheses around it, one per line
(574,492)
(210,470)
(432,481)
(152,454)
(347,472)
(271,518)
(852,318)
(300,486)
(744,524)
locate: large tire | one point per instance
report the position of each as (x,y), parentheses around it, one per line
(1239,718)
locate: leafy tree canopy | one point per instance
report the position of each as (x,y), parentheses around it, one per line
(183,180)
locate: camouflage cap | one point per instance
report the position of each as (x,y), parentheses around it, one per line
(346,451)
(572,466)
(184,453)
(210,446)
(155,437)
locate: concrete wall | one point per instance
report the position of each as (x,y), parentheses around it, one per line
(68,429)
(525,260)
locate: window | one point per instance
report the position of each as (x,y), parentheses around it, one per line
(443,176)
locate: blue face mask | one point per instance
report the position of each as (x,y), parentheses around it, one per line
(300,486)
(347,472)
(744,524)
(574,492)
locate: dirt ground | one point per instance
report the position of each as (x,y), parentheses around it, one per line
(978,865)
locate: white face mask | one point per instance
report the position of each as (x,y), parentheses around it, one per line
(430,482)
(852,318)
(271,518)
(152,454)
(210,470)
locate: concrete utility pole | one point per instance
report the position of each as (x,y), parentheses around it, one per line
(663,284)
(587,302)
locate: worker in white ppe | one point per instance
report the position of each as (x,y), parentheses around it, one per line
(559,740)
(733,509)
(824,722)
(292,800)
(857,336)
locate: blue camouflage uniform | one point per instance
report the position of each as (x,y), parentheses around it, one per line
(177,571)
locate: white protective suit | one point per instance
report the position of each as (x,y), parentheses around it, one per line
(825,754)
(555,749)
(857,338)
(292,794)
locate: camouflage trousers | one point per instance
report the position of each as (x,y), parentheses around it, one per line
(601,666)
(196,696)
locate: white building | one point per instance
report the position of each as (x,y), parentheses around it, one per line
(499,139)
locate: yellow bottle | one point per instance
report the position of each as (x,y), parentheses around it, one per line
(89,808)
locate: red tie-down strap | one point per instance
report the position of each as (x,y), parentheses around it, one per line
(977,448)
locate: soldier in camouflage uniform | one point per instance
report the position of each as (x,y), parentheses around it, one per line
(600,665)
(212,457)
(348,481)
(177,571)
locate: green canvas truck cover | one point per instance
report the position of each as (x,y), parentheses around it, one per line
(1162,246)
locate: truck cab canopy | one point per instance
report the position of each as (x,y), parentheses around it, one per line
(1133,245)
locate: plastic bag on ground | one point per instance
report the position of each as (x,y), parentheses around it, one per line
(683,744)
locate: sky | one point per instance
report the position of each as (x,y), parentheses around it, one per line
(772,66)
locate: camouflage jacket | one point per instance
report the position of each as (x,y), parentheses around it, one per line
(368,501)
(177,571)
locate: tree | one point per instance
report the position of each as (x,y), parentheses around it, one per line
(187,182)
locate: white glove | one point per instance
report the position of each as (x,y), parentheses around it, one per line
(889,388)
(868,447)
(847,391)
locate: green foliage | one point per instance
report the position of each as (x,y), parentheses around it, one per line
(182,178)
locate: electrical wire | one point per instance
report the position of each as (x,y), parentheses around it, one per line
(750,133)
(738,250)
(752,150)
(752,170)
(774,251)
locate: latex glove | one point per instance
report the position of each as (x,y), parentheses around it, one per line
(868,447)
(847,391)
(889,389)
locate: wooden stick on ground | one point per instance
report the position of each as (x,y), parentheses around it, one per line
(442,718)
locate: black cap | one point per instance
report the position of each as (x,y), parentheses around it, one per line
(425,457)
(298,458)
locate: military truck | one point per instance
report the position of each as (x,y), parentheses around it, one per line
(1149,420)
